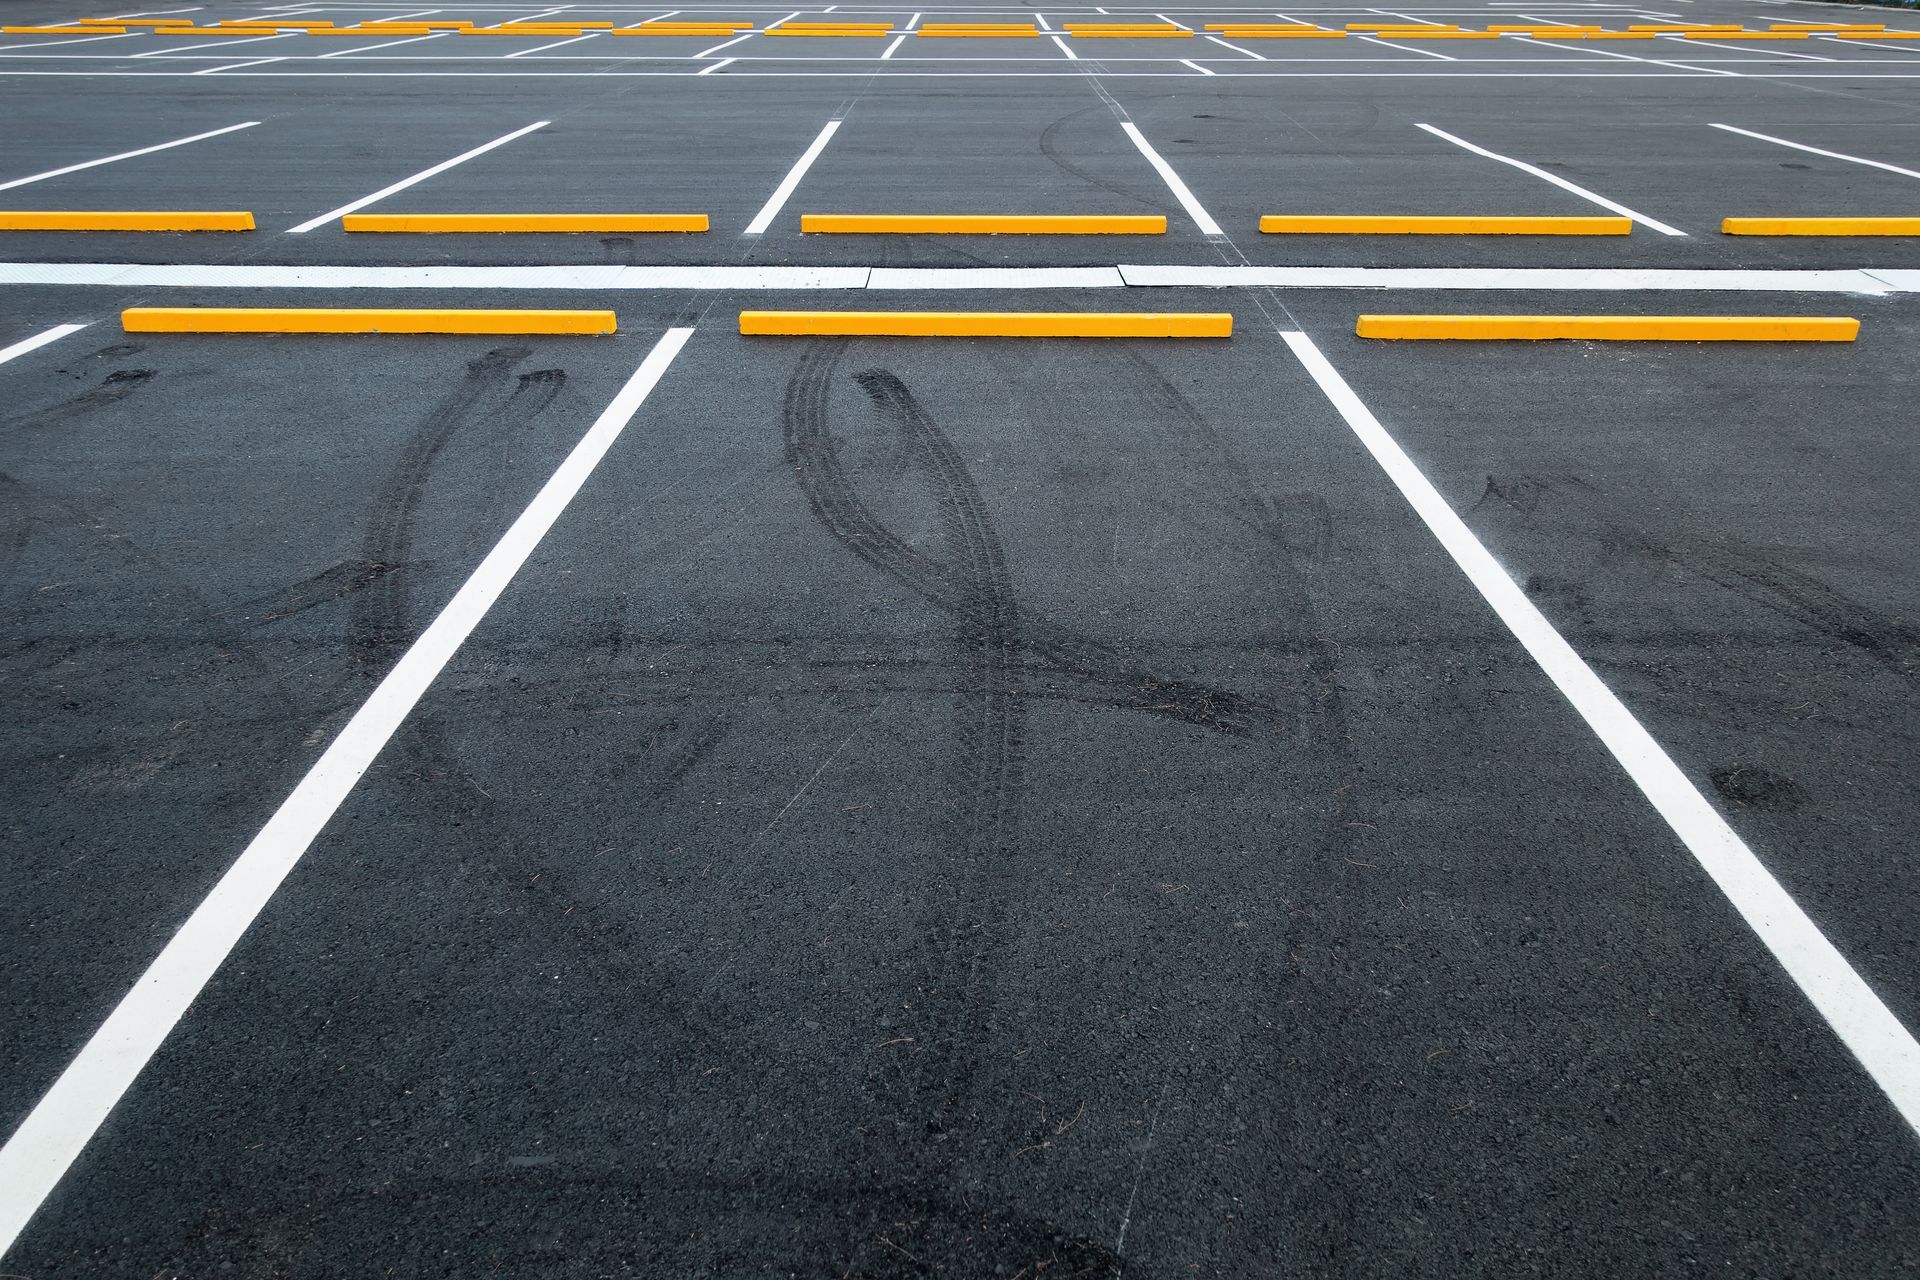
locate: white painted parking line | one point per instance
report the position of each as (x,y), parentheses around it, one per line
(1425,53)
(422,176)
(62,1123)
(1186,62)
(1758,55)
(771,209)
(38,341)
(1065,48)
(1831,155)
(1857,281)
(235,66)
(385,44)
(125,155)
(1556,180)
(542,48)
(48,44)
(213,44)
(724,62)
(1200,216)
(1628,57)
(1257,57)
(724,44)
(897,42)
(1864,1024)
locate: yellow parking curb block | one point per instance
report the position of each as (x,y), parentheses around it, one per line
(1683,26)
(1820,227)
(1446,225)
(1743,35)
(90,30)
(984,324)
(1263,33)
(430,223)
(1261,26)
(1424,34)
(331,320)
(984,224)
(1006,33)
(661,29)
(1614,328)
(104,220)
(1877,35)
(1826,26)
(1402,26)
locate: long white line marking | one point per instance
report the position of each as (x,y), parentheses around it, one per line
(1865,1025)
(118,35)
(1592,197)
(912,22)
(1065,48)
(422,176)
(235,66)
(724,62)
(125,155)
(386,44)
(771,209)
(61,1124)
(1831,155)
(1200,216)
(897,41)
(37,341)
(541,48)
(1196,66)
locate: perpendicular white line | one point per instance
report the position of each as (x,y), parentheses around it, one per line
(1065,48)
(912,22)
(1857,1015)
(1831,155)
(125,155)
(709,70)
(422,176)
(1652,62)
(37,341)
(897,41)
(61,1124)
(1759,55)
(771,209)
(1180,192)
(1652,224)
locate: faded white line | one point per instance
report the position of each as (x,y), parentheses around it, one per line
(1831,155)
(38,341)
(771,209)
(63,1122)
(1200,216)
(1864,1024)
(126,155)
(1589,196)
(422,176)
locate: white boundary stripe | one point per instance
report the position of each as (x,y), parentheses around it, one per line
(65,1120)
(235,66)
(1872,282)
(37,341)
(1186,198)
(1865,1025)
(125,155)
(1831,155)
(404,183)
(771,209)
(369,48)
(1556,180)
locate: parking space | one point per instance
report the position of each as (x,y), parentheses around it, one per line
(678,802)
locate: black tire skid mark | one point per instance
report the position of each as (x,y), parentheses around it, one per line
(110,390)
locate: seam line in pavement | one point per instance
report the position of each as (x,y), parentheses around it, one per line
(62,1123)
